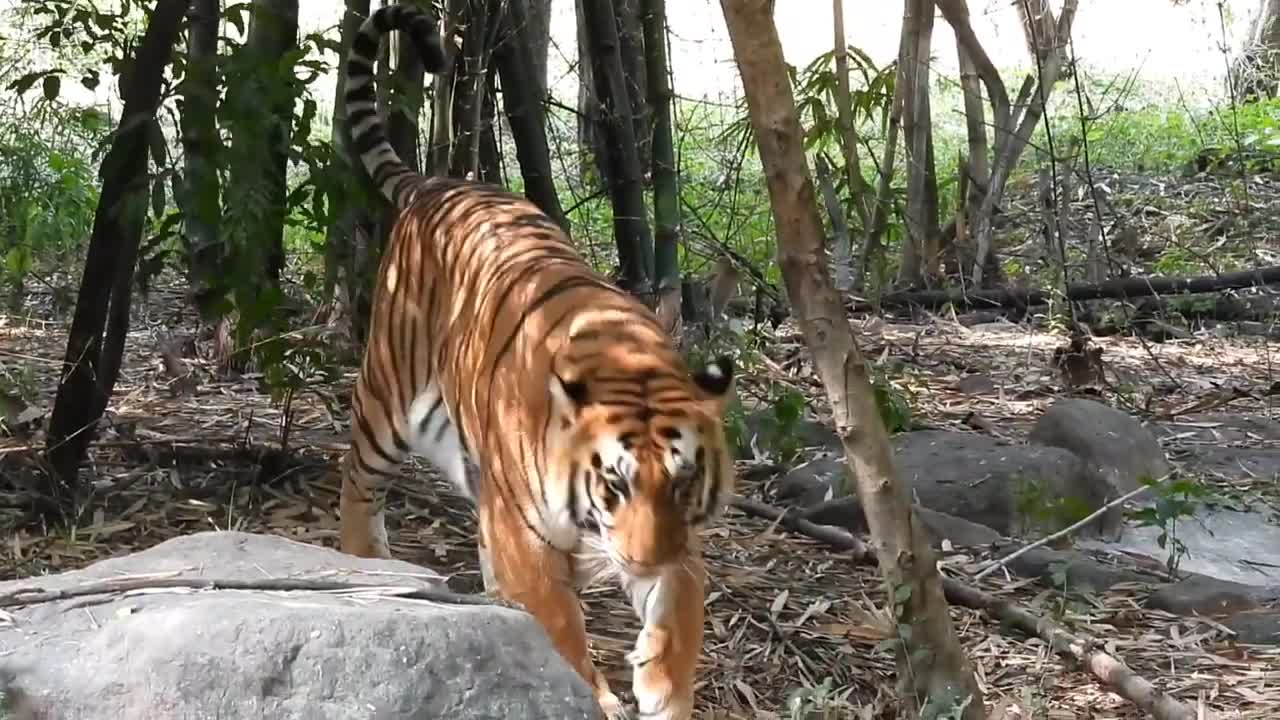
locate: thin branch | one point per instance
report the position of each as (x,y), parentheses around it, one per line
(1001,562)
(36,595)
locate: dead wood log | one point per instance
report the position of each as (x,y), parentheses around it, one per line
(1109,669)
(1133,287)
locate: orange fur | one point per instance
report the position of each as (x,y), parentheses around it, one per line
(597,450)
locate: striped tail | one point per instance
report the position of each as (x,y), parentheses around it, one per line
(368,136)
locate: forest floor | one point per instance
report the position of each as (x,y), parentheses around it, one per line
(785,612)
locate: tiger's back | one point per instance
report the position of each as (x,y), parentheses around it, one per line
(493,344)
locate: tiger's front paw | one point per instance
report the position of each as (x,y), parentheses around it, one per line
(660,693)
(651,645)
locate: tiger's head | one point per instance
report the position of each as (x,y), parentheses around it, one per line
(641,442)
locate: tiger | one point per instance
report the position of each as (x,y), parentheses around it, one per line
(553,400)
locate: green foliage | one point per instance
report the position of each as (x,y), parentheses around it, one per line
(823,702)
(1174,501)
(1042,511)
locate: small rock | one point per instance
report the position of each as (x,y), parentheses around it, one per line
(1256,627)
(283,656)
(976,385)
(1008,488)
(1119,447)
(1203,595)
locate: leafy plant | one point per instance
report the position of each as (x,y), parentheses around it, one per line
(1174,501)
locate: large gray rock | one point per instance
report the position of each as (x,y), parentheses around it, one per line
(1013,489)
(1114,443)
(254,654)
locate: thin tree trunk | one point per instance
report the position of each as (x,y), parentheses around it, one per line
(631,49)
(522,97)
(1009,151)
(341,234)
(841,266)
(933,670)
(489,167)
(405,97)
(626,188)
(593,162)
(858,188)
(1255,73)
(262,102)
(200,196)
(978,168)
(535,30)
(88,375)
(920,250)
(446,86)
(666,184)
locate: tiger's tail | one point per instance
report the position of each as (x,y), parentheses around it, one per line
(368,136)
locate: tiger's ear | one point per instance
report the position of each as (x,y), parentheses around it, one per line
(567,398)
(716,378)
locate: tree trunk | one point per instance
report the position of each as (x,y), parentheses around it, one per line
(536,33)
(522,96)
(591,144)
(340,239)
(1012,132)
(666,184)
(88,374)
(445,87)
(403,108)
(199,198)
(490,155)
(933,670)
(858,188)
(1255,74)
(626,188)
(262,102)
(468,98)
(921,251)
(634,67)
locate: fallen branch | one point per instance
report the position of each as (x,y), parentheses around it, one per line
(836,537)
(1110,670)
(37,595)
(1119,288)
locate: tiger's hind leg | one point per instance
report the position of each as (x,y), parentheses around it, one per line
(540,577)
(665,658)
(376,452)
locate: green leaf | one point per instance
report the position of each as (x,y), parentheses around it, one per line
(91,80)
(157,196)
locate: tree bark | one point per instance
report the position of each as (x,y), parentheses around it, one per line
(445,87)
(481,25)
(536,32)
(626,188)
(921,251)
(257,192)
(933,670)
(88,374)
(340,238)
(1010,150)
(666,184)
(522,97)
(200,196)
(631,49)
(858,188)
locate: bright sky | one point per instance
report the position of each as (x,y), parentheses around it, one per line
(1161,42)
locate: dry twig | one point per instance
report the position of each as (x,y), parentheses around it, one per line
(36,595)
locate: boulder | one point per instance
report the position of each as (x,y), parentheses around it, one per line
(1113,443)
(171,653)
(1011,489)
